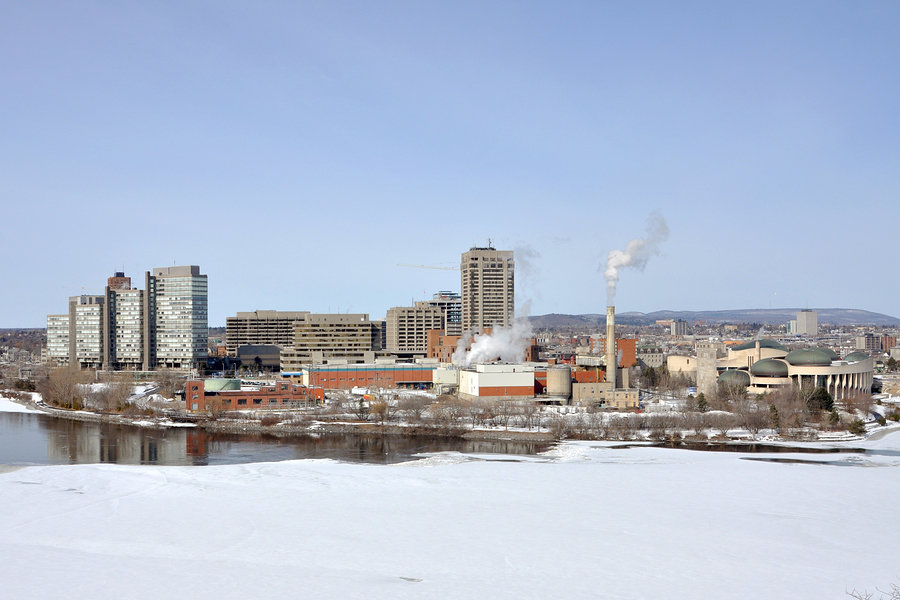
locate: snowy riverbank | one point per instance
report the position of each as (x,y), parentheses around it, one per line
(11,406)
(584,521)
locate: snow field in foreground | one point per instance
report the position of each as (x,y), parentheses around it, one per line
(584,521)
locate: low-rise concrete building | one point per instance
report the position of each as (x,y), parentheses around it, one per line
(603,394)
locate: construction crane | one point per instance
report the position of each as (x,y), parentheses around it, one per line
(439,268)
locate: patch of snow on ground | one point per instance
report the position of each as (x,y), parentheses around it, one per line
(11,406)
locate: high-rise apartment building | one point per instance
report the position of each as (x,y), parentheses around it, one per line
(123,324)
(261,328)
(488,288)
(164,325)
(58,340)
(86,330)
(177,333)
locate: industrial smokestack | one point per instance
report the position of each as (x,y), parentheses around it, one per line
(611,362)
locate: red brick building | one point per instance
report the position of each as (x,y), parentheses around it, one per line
(441,346)
(345,377)
(625,347)
(279,395)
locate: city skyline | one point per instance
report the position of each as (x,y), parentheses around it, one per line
(300,153)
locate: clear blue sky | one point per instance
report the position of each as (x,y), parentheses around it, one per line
(297,151)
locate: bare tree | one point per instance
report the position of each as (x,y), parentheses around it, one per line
(385,408)
(752,416)
(112,395)
(63,388)
(168,382)
(722,422)
(448,411)
(559,426)
(597,422)
(480,411)
(379,410)
(791,408)
(215,407)
(528,409)
(505,411)
(732,392)
(413,407)
(693,421)
(859,403)
(891,594)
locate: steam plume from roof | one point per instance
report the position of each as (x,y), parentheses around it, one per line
(506,344)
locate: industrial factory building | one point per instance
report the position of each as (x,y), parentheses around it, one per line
(382,374)
(497,381)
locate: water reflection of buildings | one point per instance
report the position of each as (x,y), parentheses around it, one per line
(76,442)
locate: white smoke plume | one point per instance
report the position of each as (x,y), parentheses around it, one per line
(506,344)
(459,356)
(635,255)
(528,274)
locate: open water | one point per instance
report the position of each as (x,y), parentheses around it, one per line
(37,439)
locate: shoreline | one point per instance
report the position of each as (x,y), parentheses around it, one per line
(254,427)
(316,428)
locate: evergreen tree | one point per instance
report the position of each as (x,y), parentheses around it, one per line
(702,404)
(820,399)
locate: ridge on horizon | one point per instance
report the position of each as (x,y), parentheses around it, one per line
(767,316)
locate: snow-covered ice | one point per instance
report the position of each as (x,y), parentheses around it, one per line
(584,521)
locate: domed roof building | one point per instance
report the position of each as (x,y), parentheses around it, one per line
(769,367)
(768,373)
(764,365)
(741,356)
(762,343)
(734,377)
(810,357)
(831,353)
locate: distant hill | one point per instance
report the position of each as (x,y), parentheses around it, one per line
(770,316)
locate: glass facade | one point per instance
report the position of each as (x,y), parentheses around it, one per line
(181,318)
